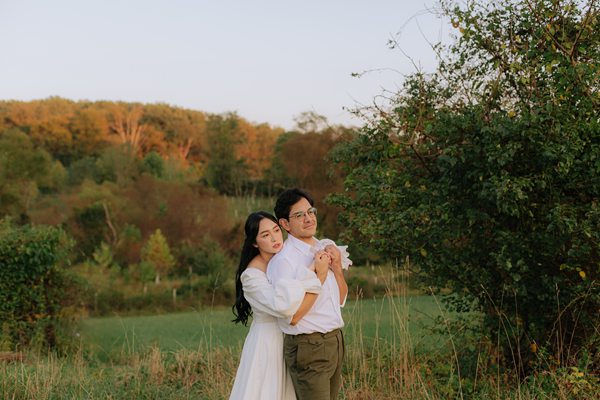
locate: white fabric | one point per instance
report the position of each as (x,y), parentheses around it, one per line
(262,374)
(321,244)
(293,262)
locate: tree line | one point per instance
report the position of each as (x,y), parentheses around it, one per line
(146,195)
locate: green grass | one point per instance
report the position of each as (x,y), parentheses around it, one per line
(392,353)
(391,319)
(374,319)
(170,332)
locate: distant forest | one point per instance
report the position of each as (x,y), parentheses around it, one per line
(113,173)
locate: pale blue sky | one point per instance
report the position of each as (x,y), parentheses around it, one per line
(268,60)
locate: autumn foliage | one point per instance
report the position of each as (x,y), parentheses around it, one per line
(147,191)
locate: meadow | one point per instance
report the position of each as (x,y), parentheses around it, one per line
(399,347)
(373,319)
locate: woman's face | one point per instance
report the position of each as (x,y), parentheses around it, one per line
(269,238)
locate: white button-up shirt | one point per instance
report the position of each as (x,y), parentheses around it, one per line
(293,262)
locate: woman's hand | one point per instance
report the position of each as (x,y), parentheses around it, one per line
(322,261)
(336,257)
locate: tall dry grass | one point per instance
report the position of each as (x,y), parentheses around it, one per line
(380,367)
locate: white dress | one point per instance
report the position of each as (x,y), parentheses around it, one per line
(262,374)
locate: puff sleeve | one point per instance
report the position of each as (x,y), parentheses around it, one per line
(281,300)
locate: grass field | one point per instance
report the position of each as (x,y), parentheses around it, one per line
(375,319)
(397,348)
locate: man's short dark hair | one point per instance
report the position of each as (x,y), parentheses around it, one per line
(287,199)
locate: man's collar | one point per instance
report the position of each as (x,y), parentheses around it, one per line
(300,245)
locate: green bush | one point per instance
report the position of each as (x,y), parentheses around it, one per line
(153,164)
(215,289)
(360,287)
(35,291)
(486,173)
(84,168)
(208,258)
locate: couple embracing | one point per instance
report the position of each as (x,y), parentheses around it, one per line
(294,291)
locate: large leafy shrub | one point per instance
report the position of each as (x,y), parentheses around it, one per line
(35,291)
(487,173)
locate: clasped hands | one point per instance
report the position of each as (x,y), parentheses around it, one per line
(330,258)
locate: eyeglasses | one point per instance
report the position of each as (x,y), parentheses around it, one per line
(311,212)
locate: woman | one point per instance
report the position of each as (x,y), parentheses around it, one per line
(261,374)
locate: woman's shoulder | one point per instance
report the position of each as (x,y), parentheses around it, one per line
(253,277)
(254,270)
(255,267)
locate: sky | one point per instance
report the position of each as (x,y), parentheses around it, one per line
(267,60)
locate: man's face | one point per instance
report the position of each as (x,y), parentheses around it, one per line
(304,227)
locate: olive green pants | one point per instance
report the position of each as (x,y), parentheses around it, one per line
(315,364)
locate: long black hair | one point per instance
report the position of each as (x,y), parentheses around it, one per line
(241,309)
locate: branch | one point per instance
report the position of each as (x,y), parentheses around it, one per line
(420,157)
(110,224)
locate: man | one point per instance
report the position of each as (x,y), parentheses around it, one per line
(314,346)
